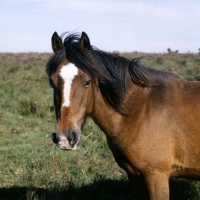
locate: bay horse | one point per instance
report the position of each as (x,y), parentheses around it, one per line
(151,118)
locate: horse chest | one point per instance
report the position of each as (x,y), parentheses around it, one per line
(121,158)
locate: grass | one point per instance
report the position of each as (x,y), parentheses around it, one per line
(33,168)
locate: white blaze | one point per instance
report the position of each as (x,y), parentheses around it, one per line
(68,72)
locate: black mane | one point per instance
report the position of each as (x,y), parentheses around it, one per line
(110,69)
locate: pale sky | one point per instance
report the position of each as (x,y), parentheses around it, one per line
(112,25)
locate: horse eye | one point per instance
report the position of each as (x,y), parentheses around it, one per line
(87,83)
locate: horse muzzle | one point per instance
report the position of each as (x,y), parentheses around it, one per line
(67,141)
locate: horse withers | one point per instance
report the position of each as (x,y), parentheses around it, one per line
(151,118)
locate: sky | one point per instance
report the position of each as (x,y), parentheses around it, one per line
(150,26)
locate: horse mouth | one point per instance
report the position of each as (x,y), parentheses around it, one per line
(65,145)
(67,142)
(62,145)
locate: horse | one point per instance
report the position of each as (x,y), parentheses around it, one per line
(151,118)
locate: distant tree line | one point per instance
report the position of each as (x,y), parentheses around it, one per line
(170,51)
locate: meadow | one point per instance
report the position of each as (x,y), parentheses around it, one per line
(33,168)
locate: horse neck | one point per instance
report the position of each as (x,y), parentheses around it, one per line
(110,120)
(103,115)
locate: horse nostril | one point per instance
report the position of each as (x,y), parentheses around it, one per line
(72,138)
(54,138)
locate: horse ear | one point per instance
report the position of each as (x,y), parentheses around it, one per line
(85,41)
(56,42)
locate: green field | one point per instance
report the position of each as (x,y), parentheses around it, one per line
(32,167)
